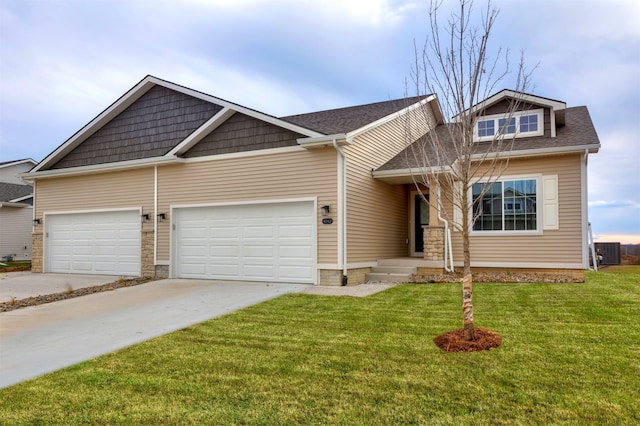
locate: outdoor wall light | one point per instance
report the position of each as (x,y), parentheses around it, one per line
(36,222)
(325,210)
(162,217)
(144,217)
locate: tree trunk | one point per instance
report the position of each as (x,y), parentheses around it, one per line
(467,280)
(467,307)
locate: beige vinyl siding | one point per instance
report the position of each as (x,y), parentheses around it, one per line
(100,191)
(15,231)
(376,211)
(300,174)
(562,246)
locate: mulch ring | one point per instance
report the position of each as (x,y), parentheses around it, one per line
(500,277)
(48,298)
(454,341)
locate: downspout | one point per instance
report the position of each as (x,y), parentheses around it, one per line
(155,216)
(343,210)
(448,255)
(586,225)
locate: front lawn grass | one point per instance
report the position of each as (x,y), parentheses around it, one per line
(570,355)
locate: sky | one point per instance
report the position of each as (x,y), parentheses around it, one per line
(62,62)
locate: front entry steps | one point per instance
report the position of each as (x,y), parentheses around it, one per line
(391,274)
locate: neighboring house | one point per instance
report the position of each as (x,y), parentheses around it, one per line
(168,181)
(16,210)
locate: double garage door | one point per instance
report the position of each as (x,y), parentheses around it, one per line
(257,242)
(94,243)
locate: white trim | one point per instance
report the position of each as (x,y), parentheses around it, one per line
(18,162)
(239,108)
(135,93)
(390,117)
(13,204)
(552,121)
(323,141)
(101,168)
(537,152)
(584,195)
(155,215)
(19,199)
(340,189)
(550,203)
(246,202)
(529,265)
(122,209)
(523,97)
(516,115)
(244,154)
(163,263)
(210,125)
(505,233)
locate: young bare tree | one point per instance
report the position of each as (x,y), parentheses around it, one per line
(457,65)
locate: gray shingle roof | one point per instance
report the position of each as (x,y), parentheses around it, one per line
(344,120)
(578,131)
(11,191)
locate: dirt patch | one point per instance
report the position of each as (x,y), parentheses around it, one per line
(454,341)
(48,298)
(15,268)
(499,277)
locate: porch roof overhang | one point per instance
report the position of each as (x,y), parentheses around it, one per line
(409,175)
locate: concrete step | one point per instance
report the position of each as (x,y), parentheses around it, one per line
(394,270)
(387,277)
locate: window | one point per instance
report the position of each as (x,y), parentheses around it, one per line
(510,205)
(485,128)
(520,124)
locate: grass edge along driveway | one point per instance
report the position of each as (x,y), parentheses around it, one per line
(571,354)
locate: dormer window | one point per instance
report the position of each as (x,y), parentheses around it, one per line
(521,124)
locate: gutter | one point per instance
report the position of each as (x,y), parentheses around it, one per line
(99,168)
(343,211)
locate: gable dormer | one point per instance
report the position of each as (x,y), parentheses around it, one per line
(533,116)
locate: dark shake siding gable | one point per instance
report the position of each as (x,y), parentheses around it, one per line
(150,127)
(242,133)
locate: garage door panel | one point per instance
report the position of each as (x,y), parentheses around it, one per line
(94,243)
(248,242)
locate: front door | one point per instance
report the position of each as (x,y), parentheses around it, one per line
(420,218)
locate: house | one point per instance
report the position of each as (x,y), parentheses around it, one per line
(169,181)
(16,210)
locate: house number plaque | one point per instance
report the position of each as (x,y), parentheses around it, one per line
(327,221)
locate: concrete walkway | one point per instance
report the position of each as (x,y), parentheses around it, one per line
(45,338)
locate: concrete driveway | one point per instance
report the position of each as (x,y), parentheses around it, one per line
(20,285)
(45,338)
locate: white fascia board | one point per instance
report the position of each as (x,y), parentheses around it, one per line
(103,118)
(537,152)
(324,140)
(238,108)
(17,163)
(201,132)
(12,204)
(390,117)
(400,176)
(19,199)
(554,105)
(100,168)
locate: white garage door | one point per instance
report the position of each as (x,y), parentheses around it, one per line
(262,242)
(94,243)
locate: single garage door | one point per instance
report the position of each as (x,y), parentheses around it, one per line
(258,242)
(94,243)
